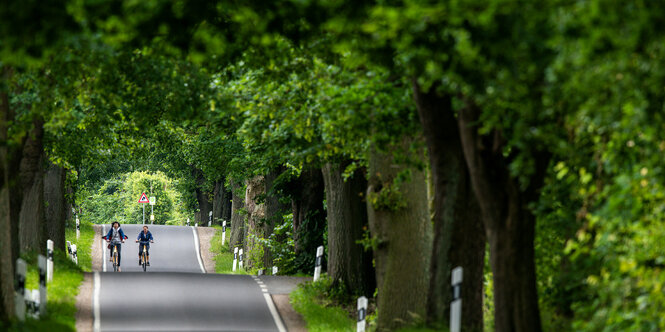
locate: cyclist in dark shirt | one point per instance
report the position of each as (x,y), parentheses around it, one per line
(115,237)
(145,238)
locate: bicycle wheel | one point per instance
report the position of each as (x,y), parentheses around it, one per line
(115,261)
(143,259)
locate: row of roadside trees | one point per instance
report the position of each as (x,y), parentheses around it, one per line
(408,135)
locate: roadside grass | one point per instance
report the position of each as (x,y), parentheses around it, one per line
(83,244)
(223,256)
(62,291)
(318,311)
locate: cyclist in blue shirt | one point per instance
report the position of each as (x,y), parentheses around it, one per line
(115,237)
(145,238)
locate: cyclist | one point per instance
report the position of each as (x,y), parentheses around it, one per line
(115,237)
(145,237)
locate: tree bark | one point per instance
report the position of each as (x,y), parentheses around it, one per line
(10,205)
(509,223)
(32,226)
(459,236)
(274,212)
(56,205)
(237,217)
(226,204)
(203,199)
(256,217)
(309,217)
(218,196)
(400,224)
(348,262)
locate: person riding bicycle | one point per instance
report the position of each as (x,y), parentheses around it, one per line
(145,238)
(115,237)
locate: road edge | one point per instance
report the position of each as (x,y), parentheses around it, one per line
(206,235)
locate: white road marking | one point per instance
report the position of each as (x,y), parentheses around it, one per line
(95,299)
(271,305)
(103,249)
(198,252)
(273,311)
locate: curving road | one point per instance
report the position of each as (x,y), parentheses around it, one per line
(176,294)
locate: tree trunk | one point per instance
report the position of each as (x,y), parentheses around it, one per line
(274,212)
(218,196)
(256,218)
(226,204)
(348,262)
(32,226)
(237,217)
(309,217)
(509,223)
(10,205)
(459,237)
(203,199)
(56,206)
(400,225)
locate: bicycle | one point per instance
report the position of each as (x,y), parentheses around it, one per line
(115,258)
(115,254)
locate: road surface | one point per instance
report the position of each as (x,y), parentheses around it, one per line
(176,294)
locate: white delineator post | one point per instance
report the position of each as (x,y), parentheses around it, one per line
(223,231)
(78,228)
(152,209)
(187,221)
(362,314)
(19,289)
(456,304)
(196,224)
(49,262)
(235,258)
(240,258)
(75,257)
(274,270)
(42,285)
(210,219)
(319,261)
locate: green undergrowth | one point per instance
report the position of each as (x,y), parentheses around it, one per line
(223,256)
(83,243)
(318,310)
(62,291)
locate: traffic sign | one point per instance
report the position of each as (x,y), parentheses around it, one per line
(144,199)
(153,200)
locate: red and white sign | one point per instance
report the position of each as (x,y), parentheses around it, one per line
(144,199)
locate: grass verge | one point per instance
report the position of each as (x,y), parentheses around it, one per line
(317,309)
(62,291)
(223,256)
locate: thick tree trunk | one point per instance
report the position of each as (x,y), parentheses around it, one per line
(203,199)
(348,262)
(218,197)
(237,217)
(226,204)
(256,216)
(309,217)
(459,237)
(10,206)
(274,212)
(509,223)
(56,206)
(32,226)
(400,225)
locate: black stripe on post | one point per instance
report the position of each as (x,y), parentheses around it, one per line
(319,260)
(361,314)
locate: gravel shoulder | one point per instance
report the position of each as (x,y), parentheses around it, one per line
(205,236)
(83,316)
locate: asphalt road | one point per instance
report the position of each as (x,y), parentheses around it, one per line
(175,294)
